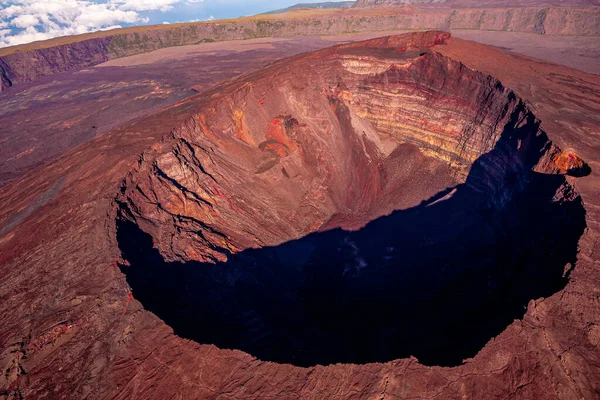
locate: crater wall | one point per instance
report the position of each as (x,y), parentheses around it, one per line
(363,203)
(335,138)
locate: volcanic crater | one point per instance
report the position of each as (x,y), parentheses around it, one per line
(363,203)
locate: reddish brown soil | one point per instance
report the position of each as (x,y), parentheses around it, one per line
(72,329)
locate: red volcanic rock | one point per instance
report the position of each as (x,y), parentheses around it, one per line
(474,3)
(334,138)
(347,169)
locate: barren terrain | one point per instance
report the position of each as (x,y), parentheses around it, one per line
(109,250)
(319,204)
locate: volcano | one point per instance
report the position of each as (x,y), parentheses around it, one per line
(251,204)
(383,218)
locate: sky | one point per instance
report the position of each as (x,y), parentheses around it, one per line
(24,21)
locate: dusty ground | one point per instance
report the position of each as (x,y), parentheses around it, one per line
(580,52)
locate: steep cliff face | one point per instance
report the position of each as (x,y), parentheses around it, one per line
(322,148)
(5,81)
(550,21)
(27,66)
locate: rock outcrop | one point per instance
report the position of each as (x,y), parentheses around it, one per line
(29,66)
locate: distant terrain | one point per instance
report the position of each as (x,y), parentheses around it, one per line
(28,63)
(371,3)
(475,3)
(328,4)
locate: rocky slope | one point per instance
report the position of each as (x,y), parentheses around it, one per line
(30,62)
(74,329)
(274,129)
(41,121)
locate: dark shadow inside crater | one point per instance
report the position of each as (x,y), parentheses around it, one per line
(436,281)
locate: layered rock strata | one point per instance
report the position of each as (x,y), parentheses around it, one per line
(320,140)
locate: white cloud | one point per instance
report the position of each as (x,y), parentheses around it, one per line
(145,5)
(11,11)
(31,20)
(24,21)
(98,15)
(108,28)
